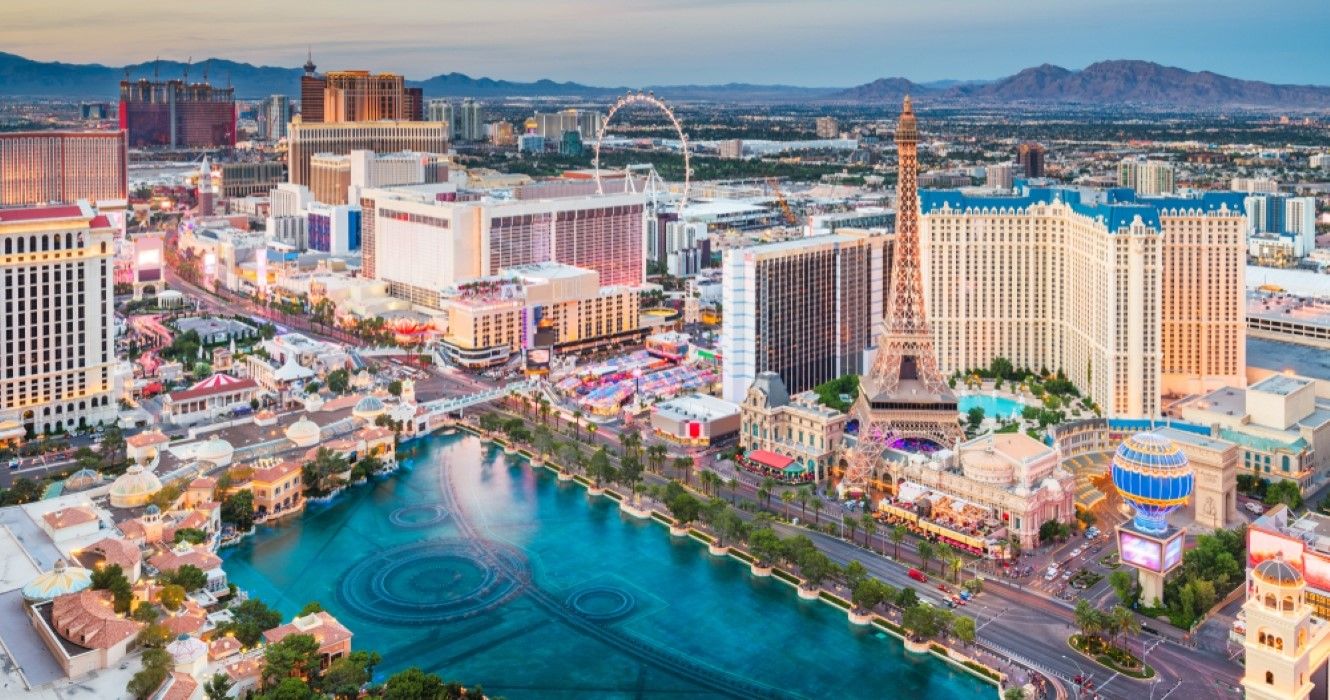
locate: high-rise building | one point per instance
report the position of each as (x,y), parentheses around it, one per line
(805,309)
(502,134)
(273,118)
(357,96)
(828,128)
(1030,156)
(56,368)
(1254,185)
(731,149)
(311,94)
(1000,176)
(40,167)
(1284,217)
(1319,160)
(554,125)
(471,121)
(177,114)
(249,178)
(443,111)
(420,244)
(1130,299)
(305,140)
(337,179)
(1147,177)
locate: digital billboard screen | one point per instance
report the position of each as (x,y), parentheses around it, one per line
(1263,545)
(1316,571)
(1139,551)
(1173,553)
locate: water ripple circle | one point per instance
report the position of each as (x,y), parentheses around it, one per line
(432,582)
(420,515)
(602,603)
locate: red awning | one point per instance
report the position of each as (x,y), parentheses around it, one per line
(770,459)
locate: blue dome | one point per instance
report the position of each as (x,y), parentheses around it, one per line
(1154,477)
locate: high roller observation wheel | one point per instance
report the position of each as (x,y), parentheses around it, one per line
(647,98)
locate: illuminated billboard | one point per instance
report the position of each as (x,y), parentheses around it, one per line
(1140,552)
(1316,571)
(1173,553)
(1263,545)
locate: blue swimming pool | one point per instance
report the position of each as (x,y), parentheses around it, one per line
(472,565)
(994,406)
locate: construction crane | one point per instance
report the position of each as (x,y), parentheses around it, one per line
(785,211)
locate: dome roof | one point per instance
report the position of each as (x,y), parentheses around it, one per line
(304,433)
(186,649)
(58,581)
(152,509)
(134,487)
(215,450)
(1277,572)
(369,408)
(82,479)
(1154,476)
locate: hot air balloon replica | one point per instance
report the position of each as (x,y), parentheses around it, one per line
(1154,478)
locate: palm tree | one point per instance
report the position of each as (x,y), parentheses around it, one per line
(591,429)
(656,457)
(684,465)
(770,485)
(1123,621)
(1088,619)
(926,553)
(816,503)
(577,424)
(733,486)
(851,523)
(544,405)
(955,563)
(803,497)
(870,529)
(786,497)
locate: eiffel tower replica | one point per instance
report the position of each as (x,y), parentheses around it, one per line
(903,396)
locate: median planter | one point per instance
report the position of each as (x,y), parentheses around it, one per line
(858,618)
(718,550)
(810,593)
(759,570)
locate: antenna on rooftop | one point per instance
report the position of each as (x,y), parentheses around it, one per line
(156,64)
(205,71)
(188,61)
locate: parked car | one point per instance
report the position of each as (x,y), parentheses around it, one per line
(1254,507)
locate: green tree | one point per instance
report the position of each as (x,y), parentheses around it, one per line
(964,628)
(290,689)
(112,578)
(189,577)
(156,665)
(684,465)
(395,387)
(684,507)
(249,620)
(191,535)
(897,535)
(906,598)
(347,675)
(922,621)
(218,687)
(415,684)
(1089,620)
(1124,585)
(816,567)
(238,511)
(927,551)
(1014,693)
(339,381)
(599,467)
(656,457)
(295,655)
(320,474)
(764,544)
(870,528)
(975,418)
(310,608)
(172,596)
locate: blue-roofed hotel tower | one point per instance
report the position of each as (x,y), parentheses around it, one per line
(1133,298)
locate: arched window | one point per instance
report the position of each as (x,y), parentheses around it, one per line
(1270,677)
(1270,601)
(20,245)
(9,246)
(1260,637)
(1288,602)
(1279,643)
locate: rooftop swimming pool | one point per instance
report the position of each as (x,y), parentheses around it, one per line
(471,565)
(994,406)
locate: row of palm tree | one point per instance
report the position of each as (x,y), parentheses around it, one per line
(1116,622)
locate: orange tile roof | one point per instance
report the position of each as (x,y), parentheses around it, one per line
(325,629)
(133,529)
(372,434)
(151,437)
(276,472)
(188,620)
(117,551)
(203,482)
(177,686)
(86,618)
(198,556)
(69,517)
(223,647)
(245,668)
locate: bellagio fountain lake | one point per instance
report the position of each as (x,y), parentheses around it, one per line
(473,565)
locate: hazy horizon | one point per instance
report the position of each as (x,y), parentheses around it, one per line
(831,43)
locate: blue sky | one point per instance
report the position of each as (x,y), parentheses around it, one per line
(640,42)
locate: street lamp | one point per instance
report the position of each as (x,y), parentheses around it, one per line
(1081,674)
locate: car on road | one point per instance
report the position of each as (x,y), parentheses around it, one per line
(1254,508)
(917,575)
(1077,552)
(1051,574)
(1066,574)
(13,464)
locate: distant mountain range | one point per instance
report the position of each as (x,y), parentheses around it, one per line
(1103,83)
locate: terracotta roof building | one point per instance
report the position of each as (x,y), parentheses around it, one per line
(83,631)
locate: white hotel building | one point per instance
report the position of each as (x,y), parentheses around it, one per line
(1132,298)
(56,327)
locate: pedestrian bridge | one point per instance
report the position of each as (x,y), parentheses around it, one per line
(458,403)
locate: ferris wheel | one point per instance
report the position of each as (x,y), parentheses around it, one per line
(646,98)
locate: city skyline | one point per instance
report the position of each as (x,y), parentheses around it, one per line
(581,41)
